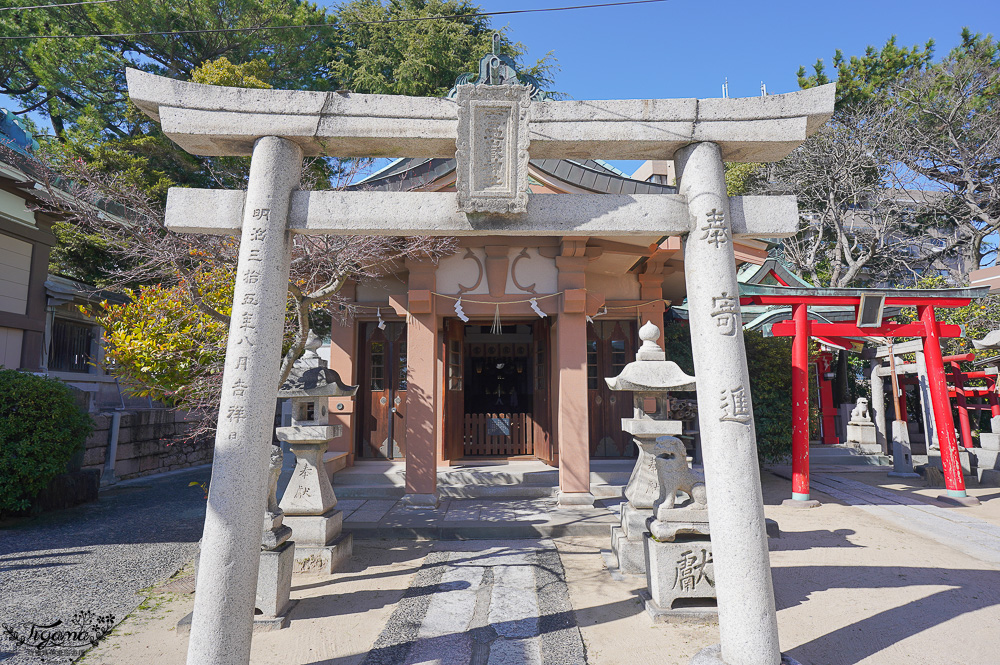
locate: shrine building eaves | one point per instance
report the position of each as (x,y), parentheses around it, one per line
(767,294)
(216,121)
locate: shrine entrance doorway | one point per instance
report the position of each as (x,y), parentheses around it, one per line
(610,346)
(381,432)
(497,390)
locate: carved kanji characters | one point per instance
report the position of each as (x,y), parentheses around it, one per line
(236,413)
(715,228)
(690,571)
(726,312)
(735,406)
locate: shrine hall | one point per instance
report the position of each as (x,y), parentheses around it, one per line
(500,348)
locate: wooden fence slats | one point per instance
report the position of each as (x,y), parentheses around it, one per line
(477,440)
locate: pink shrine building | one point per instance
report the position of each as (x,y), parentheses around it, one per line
(534,388)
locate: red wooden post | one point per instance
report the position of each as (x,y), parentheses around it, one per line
(800,403)
(941,405)
(961,404)
(903,415)
(827,407)
(992,398)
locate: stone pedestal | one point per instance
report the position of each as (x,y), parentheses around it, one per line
(902,458)
(862,436)
(934,459)
(627,540)
(989,441)
(320,544)
(274,582)
(680,579)
(310,510)
(274,575)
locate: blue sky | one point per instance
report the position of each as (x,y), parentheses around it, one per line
(686,48)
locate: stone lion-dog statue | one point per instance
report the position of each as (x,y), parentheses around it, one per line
(674,474)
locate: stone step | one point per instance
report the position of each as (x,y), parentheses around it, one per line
(846,456)
(378,474)
(599,490)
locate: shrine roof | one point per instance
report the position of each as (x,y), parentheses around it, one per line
(844,295)
(315,382)
(590,174)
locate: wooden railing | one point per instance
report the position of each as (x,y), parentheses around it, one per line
(499,434)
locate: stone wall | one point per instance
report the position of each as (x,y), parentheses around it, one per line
(146,444)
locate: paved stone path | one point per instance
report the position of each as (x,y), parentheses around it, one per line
(484,603)
(948,526)
(97,556)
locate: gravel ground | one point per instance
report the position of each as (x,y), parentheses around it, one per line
(96,557)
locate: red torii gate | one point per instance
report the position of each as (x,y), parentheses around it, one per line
(868,305)
(960,392)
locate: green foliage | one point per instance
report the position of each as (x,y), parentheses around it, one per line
(864,79)
(161,343)
(419,58)
(253,74)
(41,428)
(78,82)
(677,345)
(80,255)
(769,360)
(742,177)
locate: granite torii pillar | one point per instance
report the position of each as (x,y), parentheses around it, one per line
(748,624)
(222,624)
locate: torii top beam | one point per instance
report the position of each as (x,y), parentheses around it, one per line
(215,120)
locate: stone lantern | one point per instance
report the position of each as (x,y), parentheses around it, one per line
(309,503)
(650,378)
(667,541)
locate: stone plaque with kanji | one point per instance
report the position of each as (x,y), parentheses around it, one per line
(492,148)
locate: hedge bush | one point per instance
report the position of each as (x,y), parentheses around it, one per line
(769,360)
(41,428)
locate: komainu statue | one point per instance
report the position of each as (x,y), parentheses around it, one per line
(674,474)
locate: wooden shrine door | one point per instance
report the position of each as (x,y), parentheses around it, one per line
(542,375)
(382,396)
(610,346)
(454,389)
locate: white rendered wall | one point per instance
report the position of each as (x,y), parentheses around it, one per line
(15,273)
(10,347)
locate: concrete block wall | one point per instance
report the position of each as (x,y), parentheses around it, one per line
(146,444)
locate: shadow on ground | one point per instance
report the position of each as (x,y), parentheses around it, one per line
(970,590)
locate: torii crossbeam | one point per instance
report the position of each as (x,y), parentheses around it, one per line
(490,129)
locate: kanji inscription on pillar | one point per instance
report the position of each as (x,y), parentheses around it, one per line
(714,228)
(735,406)
(726,313)
(492,148)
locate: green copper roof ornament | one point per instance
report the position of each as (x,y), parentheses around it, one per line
(498,69)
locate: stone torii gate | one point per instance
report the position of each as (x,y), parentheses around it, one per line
(490,128)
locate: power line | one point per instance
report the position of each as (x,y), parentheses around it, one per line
(65,4)
(326,25)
